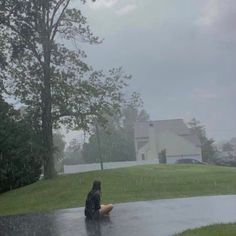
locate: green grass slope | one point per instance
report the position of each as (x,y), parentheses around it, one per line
(212,230)
(121,185)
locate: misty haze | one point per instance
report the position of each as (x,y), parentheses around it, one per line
(117,117)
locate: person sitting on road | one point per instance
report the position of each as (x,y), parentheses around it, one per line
(93,209)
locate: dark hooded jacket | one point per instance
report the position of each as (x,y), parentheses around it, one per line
(92,205)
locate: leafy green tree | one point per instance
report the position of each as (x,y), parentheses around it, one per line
(130,116)
(117,138)
(227,147)
(59,146)
(20,150)
(90,150)
(143,116)
(162,156)
(114,147)
(47,75)
(73,154)
(74,146)
(208,150)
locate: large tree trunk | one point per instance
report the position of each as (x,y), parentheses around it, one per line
(49,167)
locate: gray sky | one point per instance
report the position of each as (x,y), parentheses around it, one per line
(181,53)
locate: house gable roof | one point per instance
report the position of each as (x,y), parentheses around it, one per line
(176,126)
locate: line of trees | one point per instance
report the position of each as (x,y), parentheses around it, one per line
(116,139)
(73,153)
(20,149)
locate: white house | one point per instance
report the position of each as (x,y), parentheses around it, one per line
(174,136)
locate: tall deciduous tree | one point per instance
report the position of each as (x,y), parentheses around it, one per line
(59,147)
(208,150)
(73,153)
(49,76)
(117,138)
(227,147)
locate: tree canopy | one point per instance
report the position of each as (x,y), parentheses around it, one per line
(20,149)
(208,150)
(117,138)
(51,77)
(73,153)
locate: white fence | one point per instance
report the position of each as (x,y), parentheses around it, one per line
(69,169)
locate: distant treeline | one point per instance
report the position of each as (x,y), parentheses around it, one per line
(116,140)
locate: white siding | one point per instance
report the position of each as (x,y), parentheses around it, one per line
(172,135)
(143,151)
(177,147)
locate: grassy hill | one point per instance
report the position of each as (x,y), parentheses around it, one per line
(121,185)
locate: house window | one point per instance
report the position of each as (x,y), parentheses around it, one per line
(143,156)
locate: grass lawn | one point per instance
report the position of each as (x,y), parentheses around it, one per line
(212,230)
(121,185)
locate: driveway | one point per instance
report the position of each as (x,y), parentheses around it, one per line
(149,218)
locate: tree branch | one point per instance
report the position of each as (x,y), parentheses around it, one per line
(55,26)
(31,46)
(55,11)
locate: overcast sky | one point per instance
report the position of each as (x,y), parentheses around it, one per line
(181,54)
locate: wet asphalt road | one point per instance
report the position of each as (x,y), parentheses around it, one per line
(149,218)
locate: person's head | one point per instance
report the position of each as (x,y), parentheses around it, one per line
(96,186)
